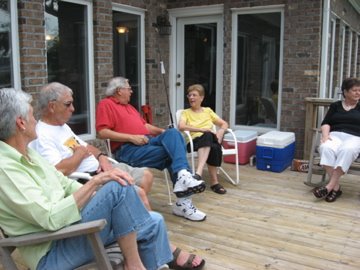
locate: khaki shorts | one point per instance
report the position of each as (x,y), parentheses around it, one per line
(136,173)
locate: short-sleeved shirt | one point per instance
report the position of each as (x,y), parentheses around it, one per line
(56,143)
(34,197)
(122,118)
(341,120)
(204,119)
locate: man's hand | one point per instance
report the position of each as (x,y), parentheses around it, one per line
(104,164)
(81,151)
(115,174)
(139,139)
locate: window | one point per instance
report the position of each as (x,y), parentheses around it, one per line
(128,50)
(258,43)
(357,62)
(68,41)
(330,62)
(9,64)
(342,54)
(354,53)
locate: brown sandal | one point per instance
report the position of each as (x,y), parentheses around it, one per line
(320,192)
(333,195)
(187,265)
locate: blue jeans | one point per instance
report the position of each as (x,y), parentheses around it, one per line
(166,150)
(124,213)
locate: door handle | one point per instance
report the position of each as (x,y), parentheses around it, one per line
(178,83)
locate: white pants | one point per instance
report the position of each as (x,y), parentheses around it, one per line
(340,151)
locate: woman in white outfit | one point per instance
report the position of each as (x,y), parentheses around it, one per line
(340,139)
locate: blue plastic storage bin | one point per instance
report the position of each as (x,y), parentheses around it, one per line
(275,151)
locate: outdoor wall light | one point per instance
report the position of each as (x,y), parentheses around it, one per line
(122,29)
(49,37)
(163,25)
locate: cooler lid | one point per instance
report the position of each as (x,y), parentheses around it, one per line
(276,139)
(241,135)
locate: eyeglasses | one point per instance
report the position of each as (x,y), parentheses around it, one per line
(68,104)
(192,95)
(127,88)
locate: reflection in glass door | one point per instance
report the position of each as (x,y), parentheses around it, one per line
(258,67)
(6,47)
(199,60)
(126,44)
(68,62)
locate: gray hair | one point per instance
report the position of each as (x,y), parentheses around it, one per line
(52,92)
(13,103)
(115,83)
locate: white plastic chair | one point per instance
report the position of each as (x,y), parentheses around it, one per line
(110,155)
(226,152)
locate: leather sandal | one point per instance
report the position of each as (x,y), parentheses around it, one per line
(333,195)
(187,265)
(320,192)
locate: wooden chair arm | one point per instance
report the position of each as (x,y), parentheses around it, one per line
(67,232)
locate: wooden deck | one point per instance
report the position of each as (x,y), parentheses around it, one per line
(269,221)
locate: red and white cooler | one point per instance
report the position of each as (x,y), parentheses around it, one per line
(246,140)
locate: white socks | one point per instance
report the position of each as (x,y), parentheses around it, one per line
(181,200)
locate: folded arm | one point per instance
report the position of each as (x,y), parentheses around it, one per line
(122,137)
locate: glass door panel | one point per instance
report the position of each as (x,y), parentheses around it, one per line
(258,54)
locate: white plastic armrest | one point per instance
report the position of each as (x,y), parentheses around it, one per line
(80,175)
(187,133)
(112,160)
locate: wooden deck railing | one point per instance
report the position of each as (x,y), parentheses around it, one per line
(315,111)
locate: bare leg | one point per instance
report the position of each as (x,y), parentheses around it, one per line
(203,154)
(145,187)
(144,198)
(148,180)
(213,175)
(129,248)
(334,178)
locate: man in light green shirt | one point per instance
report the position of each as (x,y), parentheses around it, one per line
(25,182)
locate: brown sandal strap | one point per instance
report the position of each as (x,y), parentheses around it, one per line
(176,253)
(189,261)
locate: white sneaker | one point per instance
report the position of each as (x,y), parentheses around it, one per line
(187,185)
(187,210)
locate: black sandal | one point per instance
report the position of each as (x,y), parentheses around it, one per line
(217,188)
(333,195)
(320,192)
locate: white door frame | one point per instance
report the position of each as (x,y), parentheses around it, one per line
(196,13)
